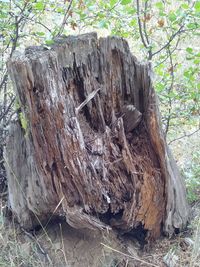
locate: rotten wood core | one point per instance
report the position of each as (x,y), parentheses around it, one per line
(94,150)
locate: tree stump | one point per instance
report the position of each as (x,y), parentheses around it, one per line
(93,150)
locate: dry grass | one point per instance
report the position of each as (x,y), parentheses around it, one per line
(18,249)
(15,249)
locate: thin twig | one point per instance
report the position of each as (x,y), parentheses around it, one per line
(172,51)
(169,90)
(7,110)
(140,25)
(60,202)
(145,30)
(183,136)
(40,248)
(4,80)
(169,41)
(65,19)
(39,23)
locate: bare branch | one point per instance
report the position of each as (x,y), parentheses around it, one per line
(145,30)
(143,33)
(183,136)
(38,22)
(172,51)
(169,41)
(65,19)
(7,109)
(4,80)
(140,25)
(169,90)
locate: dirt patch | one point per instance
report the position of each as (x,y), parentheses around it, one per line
(78,248)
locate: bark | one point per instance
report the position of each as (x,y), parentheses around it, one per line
(94,151)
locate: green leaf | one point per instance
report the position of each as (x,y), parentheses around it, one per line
(60,10)
(196,61)
(101,15)
(126,2)
(39,5)
(130,10)
(113,2)
(82,16)
(187,74)
(160,87)
(40,33)
(171,94)
(3,14)
(189,58)
(192,26)
(133,22)
(159,5)
(172,16)
(189,50)
(185,6)
(49,42)
(197,6)
(162,13)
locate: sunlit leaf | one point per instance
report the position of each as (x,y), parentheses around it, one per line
(49,42)
(185,6)
(39,5)
(133,22)
(126,2)
(197,6)
(196,61)
(192,25)
(159,5)
(189,50)
(113,2)
(172,16)
(40,33)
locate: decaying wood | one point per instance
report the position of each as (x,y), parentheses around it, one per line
(94,141)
